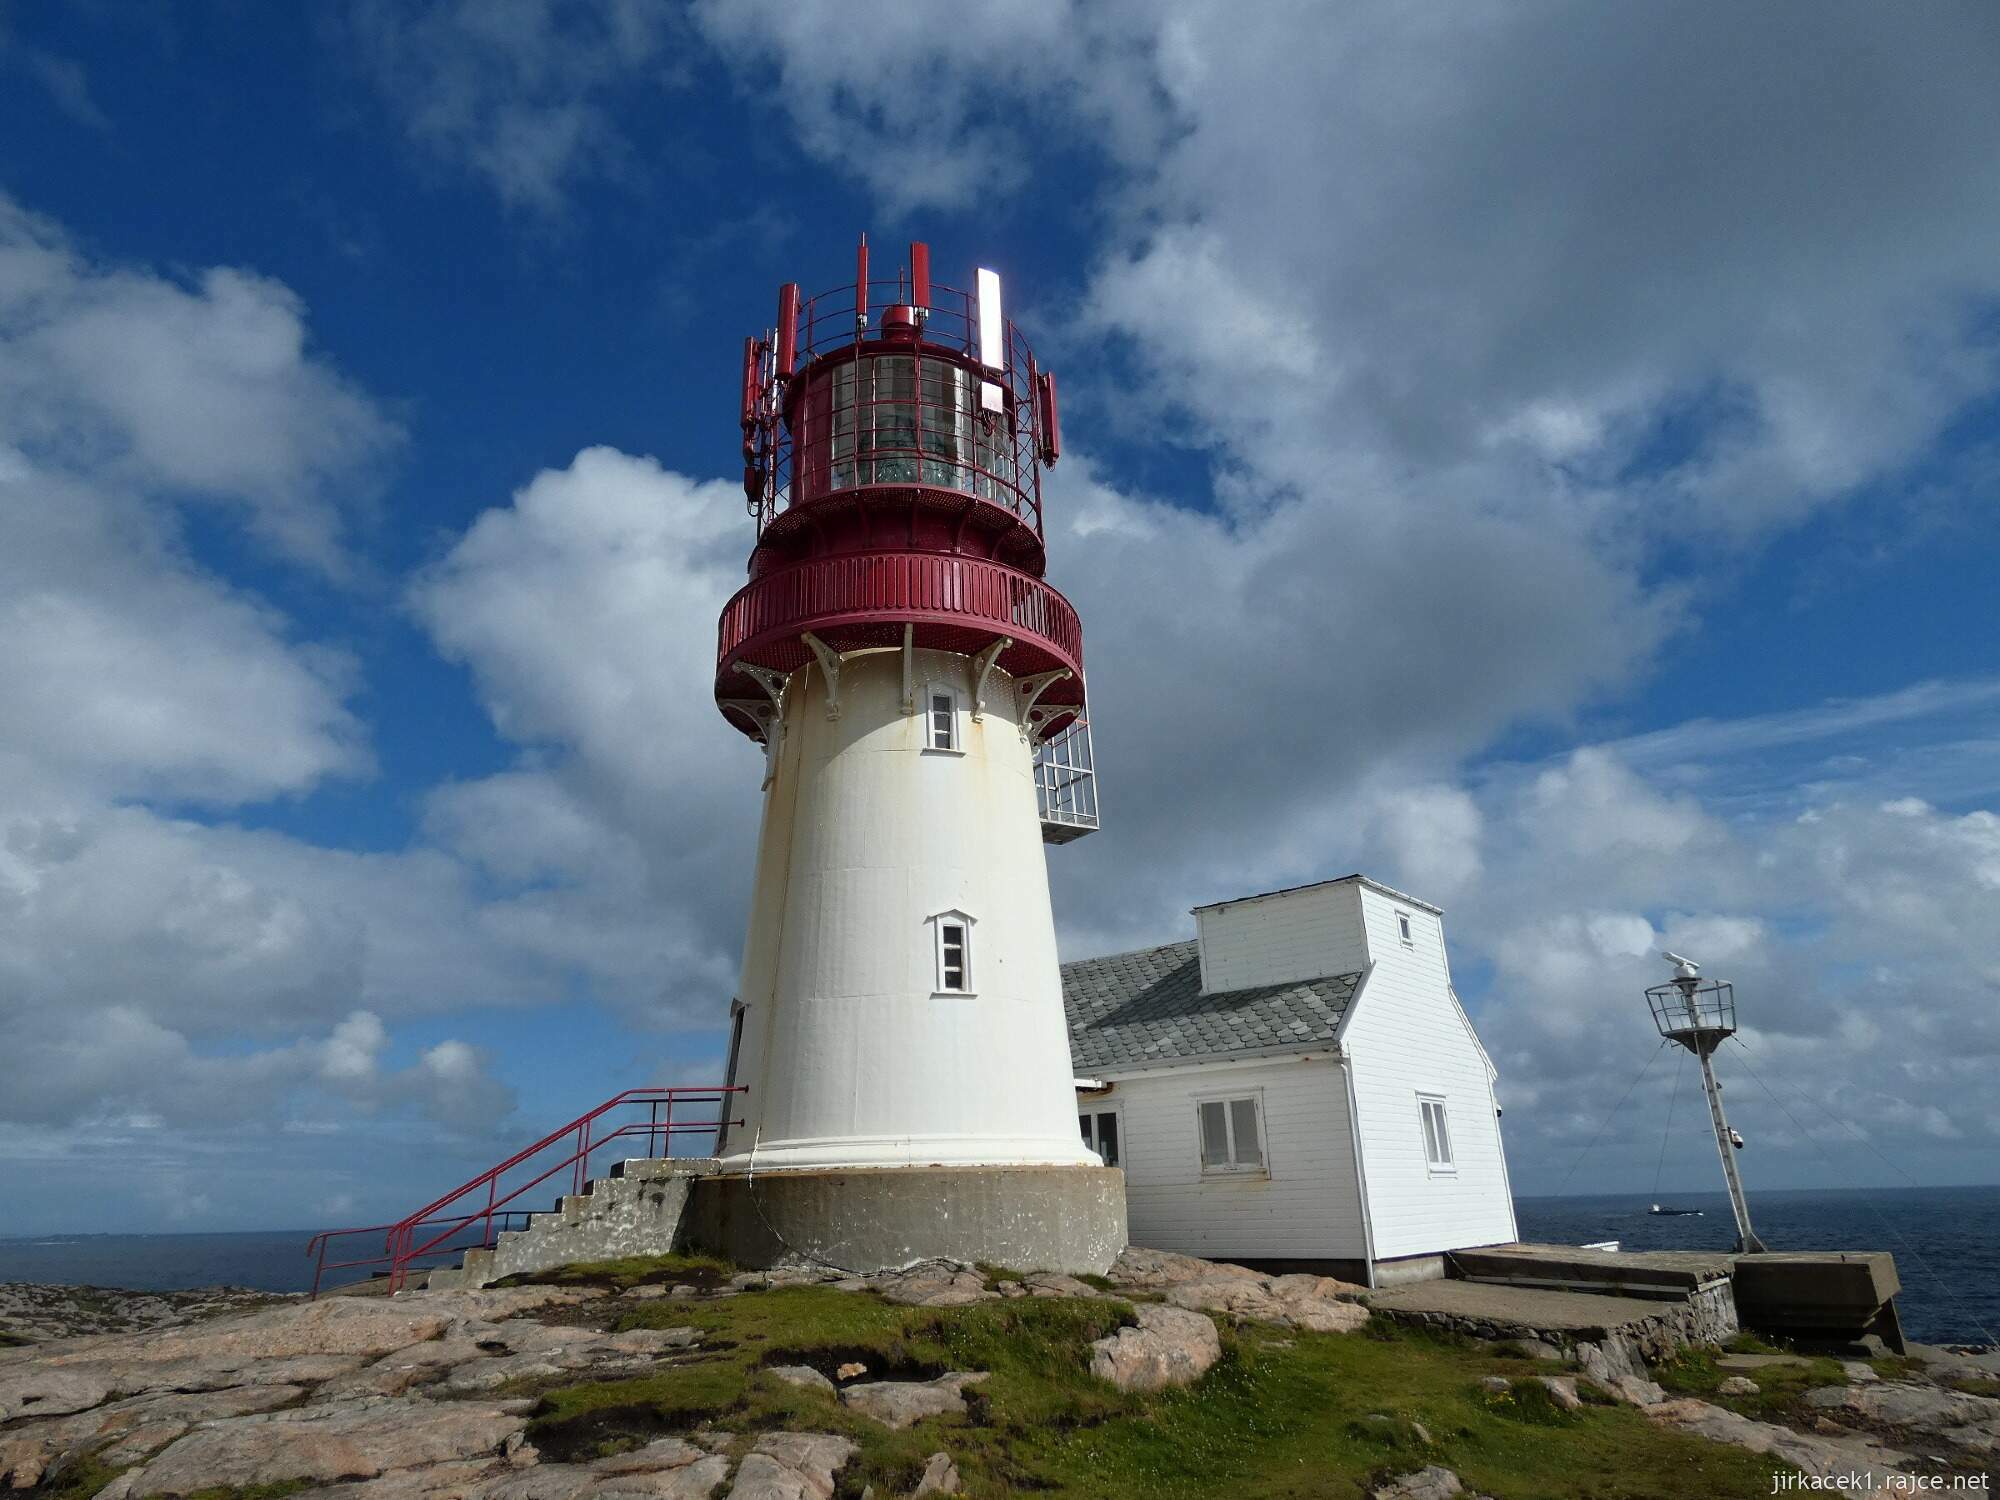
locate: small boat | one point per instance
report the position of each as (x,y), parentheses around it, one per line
(1679,1213)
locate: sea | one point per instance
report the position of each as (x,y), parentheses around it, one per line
(1946,1242)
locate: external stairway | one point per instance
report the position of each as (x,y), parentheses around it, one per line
(635,1210)
(474,1235)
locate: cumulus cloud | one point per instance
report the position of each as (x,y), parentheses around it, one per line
(206,388)
(168,970)
(585,610)
(1858,935)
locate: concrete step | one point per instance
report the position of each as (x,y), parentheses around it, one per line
(636,1210)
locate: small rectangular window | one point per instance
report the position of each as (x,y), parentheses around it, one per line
(953,968)
(1403,929)
(944,719)
(1100,1134)
(1437,1133)
(1231,1136)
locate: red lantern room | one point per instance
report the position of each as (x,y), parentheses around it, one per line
(893,436)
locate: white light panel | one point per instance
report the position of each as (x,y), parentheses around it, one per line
(991,338)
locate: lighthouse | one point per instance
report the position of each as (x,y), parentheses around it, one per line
(916,687)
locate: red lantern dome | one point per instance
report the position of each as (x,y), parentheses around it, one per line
(893,470)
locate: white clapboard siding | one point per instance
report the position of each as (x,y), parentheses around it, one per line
(1308,1206)
(1405,1036)
(1280,938)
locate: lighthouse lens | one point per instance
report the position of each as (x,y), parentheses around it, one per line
(905,419)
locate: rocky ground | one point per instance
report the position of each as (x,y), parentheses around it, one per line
(560,1392)
(31,1314)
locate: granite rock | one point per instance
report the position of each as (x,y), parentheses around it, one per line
(1170,1346)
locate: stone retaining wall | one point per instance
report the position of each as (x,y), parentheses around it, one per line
(1708,1316)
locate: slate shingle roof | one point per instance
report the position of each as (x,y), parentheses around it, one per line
(1134,1009)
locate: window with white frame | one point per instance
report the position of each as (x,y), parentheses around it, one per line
(1100,1133)
(1403,929)
(1232,1134)
(1437,1133)
(941,726)
(952,931)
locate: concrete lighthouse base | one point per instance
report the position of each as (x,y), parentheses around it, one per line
(1032,1218)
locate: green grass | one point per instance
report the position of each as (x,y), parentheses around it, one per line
(1283,1414)
(635,1270)
(1780,1388)
(83,1476)
(1747,1342)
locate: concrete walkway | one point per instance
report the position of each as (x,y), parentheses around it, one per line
(1529,1309)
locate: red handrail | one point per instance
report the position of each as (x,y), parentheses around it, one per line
(444,1215)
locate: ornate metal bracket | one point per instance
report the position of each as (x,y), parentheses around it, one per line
(829,663)
(1033,719)
(982,664)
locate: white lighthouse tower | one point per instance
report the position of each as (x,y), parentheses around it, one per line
(899,1025)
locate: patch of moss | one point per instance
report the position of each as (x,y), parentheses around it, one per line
(83,1476)
(1747,1342)
(1691,1372)
(277,1490)
(11,1340)
(703,1271)
(1529,1401)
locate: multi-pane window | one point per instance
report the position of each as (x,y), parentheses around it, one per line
(1100,1134)
(943,719)
(1231,1137)
(1437,1133)
(954,953)
(888,426)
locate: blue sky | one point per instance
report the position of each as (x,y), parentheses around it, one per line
(1543,459)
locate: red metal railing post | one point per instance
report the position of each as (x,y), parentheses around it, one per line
(492,1187)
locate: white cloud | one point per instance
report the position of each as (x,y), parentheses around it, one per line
(1859,938)
(586,610)
(516,90)
(162,970)
(206,389)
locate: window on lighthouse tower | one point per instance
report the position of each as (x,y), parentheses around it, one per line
(943,727)
(954,952)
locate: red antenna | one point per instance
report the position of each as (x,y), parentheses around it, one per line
(1048,421)
(920,277)
(751,391)
(861,285)
(788,328)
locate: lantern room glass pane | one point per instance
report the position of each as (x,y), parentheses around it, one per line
(906,419)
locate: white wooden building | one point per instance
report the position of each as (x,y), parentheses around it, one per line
(1298,1088)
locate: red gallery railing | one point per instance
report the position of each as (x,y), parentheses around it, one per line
(830,594)
(444,1228)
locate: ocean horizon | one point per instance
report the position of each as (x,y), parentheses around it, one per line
(1946,1242)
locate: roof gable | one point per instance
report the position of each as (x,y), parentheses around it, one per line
(1147,1009)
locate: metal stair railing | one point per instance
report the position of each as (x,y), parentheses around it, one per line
(437,1230)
